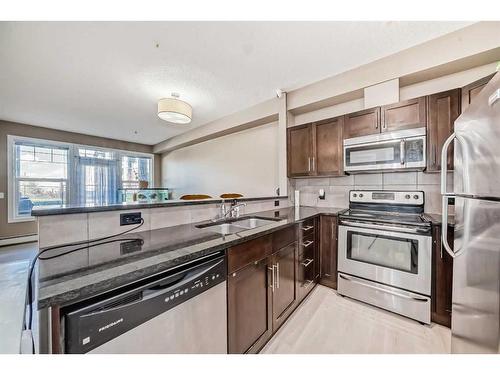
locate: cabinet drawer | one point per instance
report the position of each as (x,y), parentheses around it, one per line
(308,242)
(248,252)
(284,237)
(307,227)
(306,272)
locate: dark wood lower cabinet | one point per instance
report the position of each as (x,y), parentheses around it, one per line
(328,251)
(442,279)
(263,290)
(284,291)
(249,307)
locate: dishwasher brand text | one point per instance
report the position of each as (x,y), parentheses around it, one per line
(111,324)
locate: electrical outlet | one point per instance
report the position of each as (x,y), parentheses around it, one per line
(130,246)
(276,203)
(2,195)
(130,219)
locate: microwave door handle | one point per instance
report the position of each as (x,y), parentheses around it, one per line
(402,152)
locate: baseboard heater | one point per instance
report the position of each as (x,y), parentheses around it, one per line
(14,240)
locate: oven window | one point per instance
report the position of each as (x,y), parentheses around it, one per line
(388,153)
(396,253)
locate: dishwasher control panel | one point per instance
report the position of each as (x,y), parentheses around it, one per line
(89,325)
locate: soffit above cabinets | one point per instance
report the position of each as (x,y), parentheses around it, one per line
(105,78)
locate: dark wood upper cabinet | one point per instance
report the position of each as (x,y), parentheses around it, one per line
(328,251)
(470,91)
(443,109)
(406,114)
(442,279)
(284,293)
(362,123)
(300,150)
(249,303)
(328,160)
(316,149)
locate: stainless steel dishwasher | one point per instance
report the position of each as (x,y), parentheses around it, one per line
(179,311)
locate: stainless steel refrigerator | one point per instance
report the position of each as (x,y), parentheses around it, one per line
(476,249)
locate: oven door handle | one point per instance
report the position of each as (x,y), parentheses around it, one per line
(382,227)
(419,299)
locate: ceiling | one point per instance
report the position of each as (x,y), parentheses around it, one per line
(105,78)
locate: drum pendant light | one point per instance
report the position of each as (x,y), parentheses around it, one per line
(175,110)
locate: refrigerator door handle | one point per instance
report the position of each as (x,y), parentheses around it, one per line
(444,226)
(445,194)
(444,164)
(444,229)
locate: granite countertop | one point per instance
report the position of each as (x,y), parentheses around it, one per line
(91,271)
(67,209)
(437,219)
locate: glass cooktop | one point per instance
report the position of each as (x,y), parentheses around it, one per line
(386,217)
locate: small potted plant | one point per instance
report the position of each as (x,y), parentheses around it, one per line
(143,184)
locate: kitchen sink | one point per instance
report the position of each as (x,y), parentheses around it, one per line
(232,226)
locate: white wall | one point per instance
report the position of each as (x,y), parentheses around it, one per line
(245,162)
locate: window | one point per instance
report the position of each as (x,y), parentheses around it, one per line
(47,173)
(135,169)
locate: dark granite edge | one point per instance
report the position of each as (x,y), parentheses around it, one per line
(135,206)
(437,219)
(73,296)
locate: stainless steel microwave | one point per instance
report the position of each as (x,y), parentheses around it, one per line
(397,150)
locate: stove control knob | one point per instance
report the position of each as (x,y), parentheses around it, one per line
(355,195)
(415,196)
(361,195)
(407,196)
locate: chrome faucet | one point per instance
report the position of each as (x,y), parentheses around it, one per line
(234,210)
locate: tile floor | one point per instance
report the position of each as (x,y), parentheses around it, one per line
(14,264)
(327,323)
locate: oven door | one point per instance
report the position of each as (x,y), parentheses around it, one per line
(398,259)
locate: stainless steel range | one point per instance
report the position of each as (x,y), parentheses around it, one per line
(384,253)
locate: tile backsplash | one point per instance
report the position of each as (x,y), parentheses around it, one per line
(337,188)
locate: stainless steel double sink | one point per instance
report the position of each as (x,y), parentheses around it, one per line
(231,226)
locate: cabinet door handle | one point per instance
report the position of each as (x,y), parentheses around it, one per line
(308,243)
(307,262)
(309,164)
(277,275)
(313,163)
(272,277)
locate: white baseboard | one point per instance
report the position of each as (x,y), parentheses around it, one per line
(18,240)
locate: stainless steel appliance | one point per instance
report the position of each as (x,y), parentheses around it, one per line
(476,250)
(181,311)
(397,150)
(384,252)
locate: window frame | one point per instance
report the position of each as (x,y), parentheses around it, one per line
(12,179)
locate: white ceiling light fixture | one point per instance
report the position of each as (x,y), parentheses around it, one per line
(175,110)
